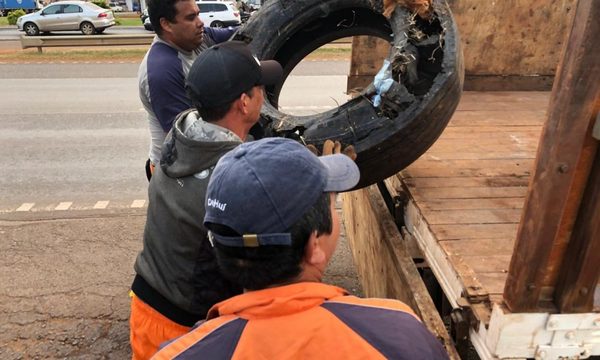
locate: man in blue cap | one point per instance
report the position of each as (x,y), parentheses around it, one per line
(271,218)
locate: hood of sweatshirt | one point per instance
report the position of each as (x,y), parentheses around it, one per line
(194,145)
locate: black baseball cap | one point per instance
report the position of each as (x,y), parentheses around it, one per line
(224,71)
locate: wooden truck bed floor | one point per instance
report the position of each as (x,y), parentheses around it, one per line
(470,186)
(466,193)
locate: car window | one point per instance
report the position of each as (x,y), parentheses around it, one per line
(204,8)
(70,9)
(54,9)
(220,7)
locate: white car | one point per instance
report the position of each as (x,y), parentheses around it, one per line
(219,13)
(116,7)
(67,16)
(253,4)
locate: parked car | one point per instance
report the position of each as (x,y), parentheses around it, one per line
(148,24)
(67,16)
(144,15)
(115,7)
(253,4)
(212,13)
(219,13)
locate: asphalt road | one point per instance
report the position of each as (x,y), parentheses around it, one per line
(73,141)
(12,33)
(76,133)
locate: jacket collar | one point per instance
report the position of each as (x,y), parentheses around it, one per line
(277,301)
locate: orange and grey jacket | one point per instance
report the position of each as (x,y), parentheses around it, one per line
(306,321)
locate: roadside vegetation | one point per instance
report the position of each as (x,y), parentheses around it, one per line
(13,16)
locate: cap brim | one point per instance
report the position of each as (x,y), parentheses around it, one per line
(342,172)
(270,72)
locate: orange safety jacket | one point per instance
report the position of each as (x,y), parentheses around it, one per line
(306,321)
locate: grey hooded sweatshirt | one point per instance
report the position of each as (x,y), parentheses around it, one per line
(177,271)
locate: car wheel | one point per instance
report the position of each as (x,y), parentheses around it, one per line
(87,28)
(426,78)
(217,24)
(31,29)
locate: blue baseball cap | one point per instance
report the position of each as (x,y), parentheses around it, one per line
(261,188)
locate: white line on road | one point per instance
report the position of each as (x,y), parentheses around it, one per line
(101,205)
(138,203)
(64,206)
(25,207)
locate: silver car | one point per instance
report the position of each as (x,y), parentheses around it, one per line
(67,16)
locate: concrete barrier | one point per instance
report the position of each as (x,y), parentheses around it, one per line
(40,42)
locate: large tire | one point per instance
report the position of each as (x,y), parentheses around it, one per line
(31,29)
(217,24)
(87,28)
(413,113)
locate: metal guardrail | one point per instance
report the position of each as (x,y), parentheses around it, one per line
(40,42)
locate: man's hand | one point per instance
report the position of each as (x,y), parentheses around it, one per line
(331,147)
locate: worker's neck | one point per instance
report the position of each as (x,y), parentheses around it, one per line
(235,124)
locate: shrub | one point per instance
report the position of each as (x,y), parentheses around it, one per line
(101,3)
(14,15)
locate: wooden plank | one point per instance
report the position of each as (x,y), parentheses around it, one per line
(467,182)
(475,82)
(462,204)
(503,100)
(472,164)
(425,194)
(575,289)
(497,118)
(481,247)
(474,231)
(456,278)
(488,264)
(494,282)
(512,37)
(519,154)
(497,216)
(563,165)
(496,133)
(383,264)
(452,172)
(492,130)
(367,57)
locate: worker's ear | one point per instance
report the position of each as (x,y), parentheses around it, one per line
(165,25)
(244,103)
(314,254)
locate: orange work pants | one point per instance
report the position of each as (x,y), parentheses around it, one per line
(148,329)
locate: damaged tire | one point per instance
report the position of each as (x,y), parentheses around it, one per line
(424,81)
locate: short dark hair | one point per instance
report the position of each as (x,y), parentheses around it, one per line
(215,113)
(158,9)
(256,268)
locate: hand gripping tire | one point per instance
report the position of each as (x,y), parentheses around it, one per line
(427,73)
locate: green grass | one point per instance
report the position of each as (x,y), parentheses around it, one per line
(3,21)
(75,55)
(128,21)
